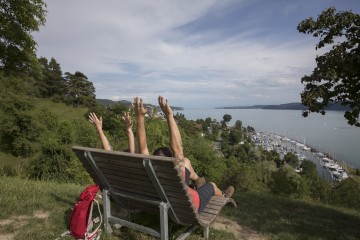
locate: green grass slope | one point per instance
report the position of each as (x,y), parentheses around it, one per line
(41,210)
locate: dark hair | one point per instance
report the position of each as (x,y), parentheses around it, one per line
(126,150)
(163,151)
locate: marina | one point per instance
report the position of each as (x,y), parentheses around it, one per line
(326,166)
(328,133)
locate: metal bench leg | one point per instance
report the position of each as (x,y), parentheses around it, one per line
(164,227)
(206,233)
(107,212)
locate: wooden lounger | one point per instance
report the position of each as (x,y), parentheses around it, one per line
(148,183)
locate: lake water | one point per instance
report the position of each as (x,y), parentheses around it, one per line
(329,134)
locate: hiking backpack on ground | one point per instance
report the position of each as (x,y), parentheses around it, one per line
(82,226)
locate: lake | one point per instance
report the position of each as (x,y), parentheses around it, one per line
(329,133)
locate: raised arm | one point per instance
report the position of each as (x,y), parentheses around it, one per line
(98,123)
(174,133)
(130,134)
(140,112)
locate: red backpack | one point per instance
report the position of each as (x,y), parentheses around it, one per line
(81,222)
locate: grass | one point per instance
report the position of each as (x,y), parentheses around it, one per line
(60,109)
(10,160)
(283,218)
(41,210)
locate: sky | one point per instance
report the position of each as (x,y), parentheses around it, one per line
(196,53)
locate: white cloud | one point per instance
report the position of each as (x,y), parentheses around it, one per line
(140,48)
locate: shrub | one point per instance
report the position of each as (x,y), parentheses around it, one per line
(346,194)
(51,162)
(287,182)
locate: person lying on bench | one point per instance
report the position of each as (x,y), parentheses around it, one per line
(128,126)
(205,191)
(140,112)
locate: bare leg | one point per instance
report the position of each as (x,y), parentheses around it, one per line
(217,191)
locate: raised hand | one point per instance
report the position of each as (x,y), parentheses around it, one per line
(139,107)
(165,107)
(127,120)
(95,120)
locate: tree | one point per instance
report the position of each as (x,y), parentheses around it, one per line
(291,159)
(52,83)
(336,77)
(227,118)
(235,136)
(309,169)
(346,193)
(288,183)
(81,92)
(19,130)
(18,18)
(238,125)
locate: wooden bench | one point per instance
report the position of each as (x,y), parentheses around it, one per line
(147,183)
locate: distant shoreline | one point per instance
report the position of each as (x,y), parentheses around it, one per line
(287,106)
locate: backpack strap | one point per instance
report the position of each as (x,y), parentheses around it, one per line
(97,231)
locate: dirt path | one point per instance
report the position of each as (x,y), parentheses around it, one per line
(18,222)
(240,232)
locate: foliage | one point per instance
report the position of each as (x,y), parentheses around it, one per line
(52,84)
(346,193)
(238,125)
(235,136)
(203,158)
(308,169)
(320,189)
(18,128)
(80,91)
(336,78)
(157,133)
(250,129)
(226,118)
(287,182)
(18,18)
(249,177)
(291,159)
(51,162)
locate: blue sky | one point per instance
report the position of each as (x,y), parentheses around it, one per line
(203,53)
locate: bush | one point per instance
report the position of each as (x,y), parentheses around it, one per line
(287,182)
(51,162)
(346,194)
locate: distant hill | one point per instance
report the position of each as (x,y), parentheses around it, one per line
(288,106)
(109,103)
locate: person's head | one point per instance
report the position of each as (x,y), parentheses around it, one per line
(163,151)
(126,150)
